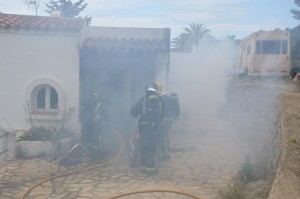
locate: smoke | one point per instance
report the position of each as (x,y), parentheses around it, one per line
(245,110)
(200,78)
(239,116)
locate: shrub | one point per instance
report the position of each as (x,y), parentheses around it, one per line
(231,190)
(247,171)
(294,70)
(51,131)
(42,133)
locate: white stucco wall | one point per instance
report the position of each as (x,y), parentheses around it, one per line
(27,57)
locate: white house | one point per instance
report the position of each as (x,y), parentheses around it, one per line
(39,70)
(49,64)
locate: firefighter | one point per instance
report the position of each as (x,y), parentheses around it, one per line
(171,114)
(92,112)
(149,109)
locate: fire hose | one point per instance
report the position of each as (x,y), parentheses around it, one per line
(156,190)
(104,164)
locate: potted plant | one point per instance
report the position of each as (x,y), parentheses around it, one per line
(52,139)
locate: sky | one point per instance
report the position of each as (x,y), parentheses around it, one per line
(222,17)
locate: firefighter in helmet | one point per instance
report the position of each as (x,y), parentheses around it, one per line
(92,113)
(171,114)
(149,109)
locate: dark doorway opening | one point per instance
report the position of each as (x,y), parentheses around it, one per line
(120,77)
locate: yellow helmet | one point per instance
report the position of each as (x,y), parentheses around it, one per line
(159,87)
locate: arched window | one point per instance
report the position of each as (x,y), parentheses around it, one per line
(44,98)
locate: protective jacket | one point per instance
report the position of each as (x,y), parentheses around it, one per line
(92,109)
(150,110)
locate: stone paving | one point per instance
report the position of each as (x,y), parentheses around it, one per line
(218,152)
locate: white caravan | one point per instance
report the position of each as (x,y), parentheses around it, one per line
(265,53)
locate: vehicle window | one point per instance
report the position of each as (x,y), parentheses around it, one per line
(270,46)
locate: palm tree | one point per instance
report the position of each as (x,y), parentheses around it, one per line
(195,33)
(179,41)
(230,37)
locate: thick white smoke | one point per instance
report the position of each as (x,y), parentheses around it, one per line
(200,79)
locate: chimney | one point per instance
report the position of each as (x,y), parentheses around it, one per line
(56,13)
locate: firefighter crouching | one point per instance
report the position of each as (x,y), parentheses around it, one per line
(149,109)
(171,114)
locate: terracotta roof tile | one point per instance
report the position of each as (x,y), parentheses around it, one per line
(124,44)
(40,23)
